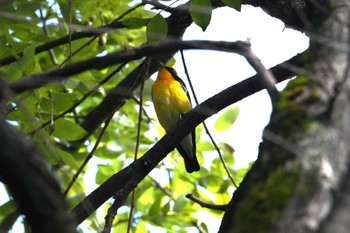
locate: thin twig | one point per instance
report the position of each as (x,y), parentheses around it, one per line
(268,80)
(162,7)
(78,50)
(149,119)
(127,12)
(163,189)
(51,52)
(205,204)
(205,126)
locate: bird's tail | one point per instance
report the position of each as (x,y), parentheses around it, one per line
(187,150)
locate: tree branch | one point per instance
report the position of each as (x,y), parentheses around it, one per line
(38,80)
(205,204)
(267,78)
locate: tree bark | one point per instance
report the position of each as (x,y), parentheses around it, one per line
(300,181)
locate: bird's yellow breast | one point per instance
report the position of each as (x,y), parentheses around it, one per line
(170,99)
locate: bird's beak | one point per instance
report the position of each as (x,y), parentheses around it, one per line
(161,65)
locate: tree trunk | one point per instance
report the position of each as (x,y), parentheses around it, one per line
(300,181)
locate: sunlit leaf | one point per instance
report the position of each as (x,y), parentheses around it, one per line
(104,172)
(171,62)
(146,197)
(155,207)
(68,130)
(180,203)
(200,11)
(205,146)
(142,227)
(226,119)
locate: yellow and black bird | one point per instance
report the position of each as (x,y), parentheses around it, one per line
(171,101)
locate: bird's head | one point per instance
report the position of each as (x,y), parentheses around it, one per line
(166,71)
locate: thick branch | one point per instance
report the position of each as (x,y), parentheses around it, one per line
(36,192)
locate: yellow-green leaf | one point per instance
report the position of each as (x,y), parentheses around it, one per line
(200,11)
(226,119)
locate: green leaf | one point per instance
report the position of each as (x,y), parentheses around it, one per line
(27,62)
(8,207)
(180,204)
(157,29)
(235,4)
(205,146)
(14,72)
(57,102)
(200,11)
(133,23)
(166,208)
(226,119)
(103,173)
(66,129)
(67,158)
(107,153)
(154,210)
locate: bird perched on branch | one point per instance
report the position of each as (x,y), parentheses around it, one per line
(171,101)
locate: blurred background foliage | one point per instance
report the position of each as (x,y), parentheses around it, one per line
(160,198)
